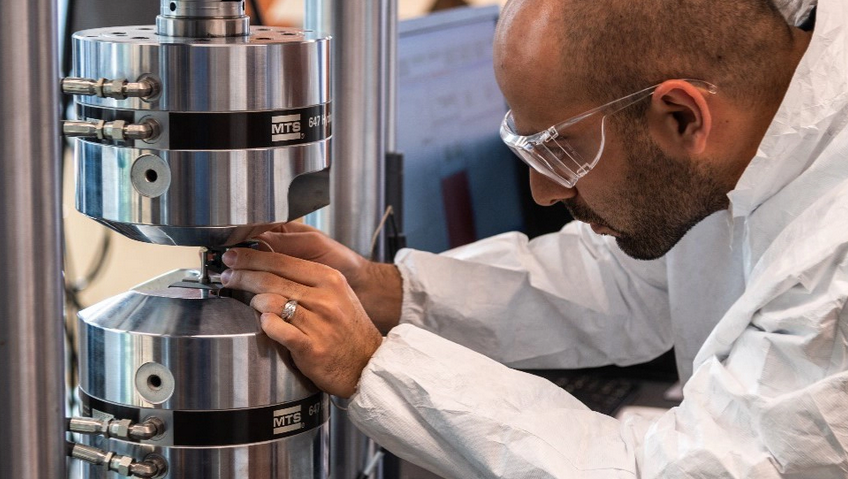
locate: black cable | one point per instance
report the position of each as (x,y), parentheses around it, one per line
(257,14)
(97,265)
(397,240)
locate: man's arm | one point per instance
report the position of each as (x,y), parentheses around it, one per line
(766,412)
(564,300)
(770,403)
(567,299)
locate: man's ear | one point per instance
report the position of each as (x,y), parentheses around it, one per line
(680,117)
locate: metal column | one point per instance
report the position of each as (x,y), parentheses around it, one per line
(364,34)
(31,346)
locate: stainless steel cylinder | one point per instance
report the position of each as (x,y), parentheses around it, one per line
(202,18)
(244,126)
(232,404)
(31,346)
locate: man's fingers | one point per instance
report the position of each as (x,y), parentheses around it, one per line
(268,303)
(284,333)
(293,227)
(276,304)
(303,244)
(295,269)
(263,282)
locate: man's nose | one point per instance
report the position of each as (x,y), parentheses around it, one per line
(547,192)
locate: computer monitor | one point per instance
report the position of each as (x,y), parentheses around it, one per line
(461,183)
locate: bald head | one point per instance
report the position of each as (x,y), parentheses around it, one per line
(599,50)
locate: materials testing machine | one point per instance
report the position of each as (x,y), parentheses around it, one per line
(198,131)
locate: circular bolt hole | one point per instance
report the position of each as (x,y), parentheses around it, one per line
(263,29)
(119,33)
(146,28)
(140,38)
(173,6)
(151,176)
(154,381)
(264,38)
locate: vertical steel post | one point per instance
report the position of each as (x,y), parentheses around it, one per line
(364,34)
(31,345)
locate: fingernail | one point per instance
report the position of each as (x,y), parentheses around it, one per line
(225,276)
(229,257)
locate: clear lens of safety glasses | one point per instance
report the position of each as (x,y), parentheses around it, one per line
(554,156)
(566,159)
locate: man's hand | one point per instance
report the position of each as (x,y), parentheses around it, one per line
(377,285)
(330,336)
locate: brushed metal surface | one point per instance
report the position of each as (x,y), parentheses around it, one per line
(31,345)
(215,198)
(273,68)
(202,18)
(214,348)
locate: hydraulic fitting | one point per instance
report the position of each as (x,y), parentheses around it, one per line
(119,89)
(151,467)
(119,428)
(117,130)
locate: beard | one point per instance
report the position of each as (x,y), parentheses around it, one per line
(660,200)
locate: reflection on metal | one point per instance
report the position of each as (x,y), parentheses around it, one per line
(31,347)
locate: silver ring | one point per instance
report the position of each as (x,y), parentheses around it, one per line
(289,310)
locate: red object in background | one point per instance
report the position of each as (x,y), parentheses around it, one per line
(459,212)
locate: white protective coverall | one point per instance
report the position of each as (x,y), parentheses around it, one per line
(752,299)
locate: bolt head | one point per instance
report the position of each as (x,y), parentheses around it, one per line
(121,428)
(115,89)
(123,465)
(117,130)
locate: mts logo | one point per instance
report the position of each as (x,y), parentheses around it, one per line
(285,127)
(288,419)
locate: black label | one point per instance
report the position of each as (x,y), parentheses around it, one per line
(234,130)
(228,427)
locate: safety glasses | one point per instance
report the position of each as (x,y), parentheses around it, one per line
(564,156)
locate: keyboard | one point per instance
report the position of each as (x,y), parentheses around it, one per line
(600,394)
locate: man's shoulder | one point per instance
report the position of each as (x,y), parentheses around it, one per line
(813,239)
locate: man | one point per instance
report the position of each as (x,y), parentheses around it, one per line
(712,170)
